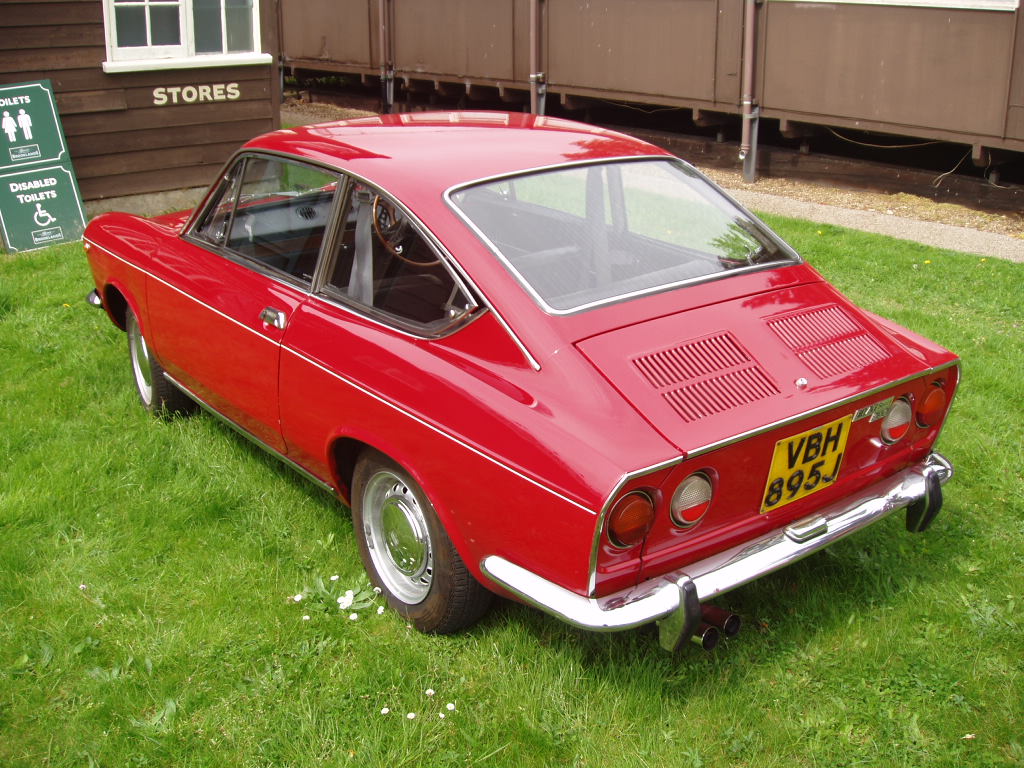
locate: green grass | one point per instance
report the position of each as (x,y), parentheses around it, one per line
(147,571)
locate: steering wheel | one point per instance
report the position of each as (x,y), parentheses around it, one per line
(391,228)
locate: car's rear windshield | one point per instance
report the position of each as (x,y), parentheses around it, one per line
(586,235)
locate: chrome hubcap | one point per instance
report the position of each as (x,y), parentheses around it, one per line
(140,360)
(396,532)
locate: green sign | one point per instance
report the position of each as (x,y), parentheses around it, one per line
(40,207)
(39,200)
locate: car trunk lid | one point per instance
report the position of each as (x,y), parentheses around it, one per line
(709,375)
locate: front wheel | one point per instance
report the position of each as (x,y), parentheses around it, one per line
(156,393)
(407,553)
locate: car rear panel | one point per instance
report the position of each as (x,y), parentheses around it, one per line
(730,384)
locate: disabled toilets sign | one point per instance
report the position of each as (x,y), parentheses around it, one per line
(39,200)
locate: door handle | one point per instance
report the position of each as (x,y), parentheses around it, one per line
(274,318)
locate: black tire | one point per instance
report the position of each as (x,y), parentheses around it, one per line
(407,553)
(156,393)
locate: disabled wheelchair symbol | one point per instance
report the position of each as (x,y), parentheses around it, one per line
(42,216)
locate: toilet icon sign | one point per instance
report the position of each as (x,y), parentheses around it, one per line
(43,217)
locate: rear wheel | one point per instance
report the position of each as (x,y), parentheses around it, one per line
(406,551)
(156,393)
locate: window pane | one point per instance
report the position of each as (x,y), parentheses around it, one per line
(383,263)
(131,26)
(584,236)
(164,25)
(282,215)
(214,225)
(206,21)
(239,24)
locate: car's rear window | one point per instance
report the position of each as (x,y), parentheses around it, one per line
(586,235)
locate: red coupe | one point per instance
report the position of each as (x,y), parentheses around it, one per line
(537,358)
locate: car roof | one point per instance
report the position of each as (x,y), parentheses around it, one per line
(417,153)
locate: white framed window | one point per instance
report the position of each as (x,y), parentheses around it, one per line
(179,34)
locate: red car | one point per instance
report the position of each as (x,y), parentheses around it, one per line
(537,358)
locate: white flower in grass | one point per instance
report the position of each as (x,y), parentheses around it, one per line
(380,609)
(334,577)
(353,616)
(441,715)
(411,716)
(305,618)
(298,598)
(346,600)
(384,711)
(82,586)
(377,590)
(429,691)
(450,706)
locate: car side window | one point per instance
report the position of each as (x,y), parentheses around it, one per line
(383,263)
(272,212)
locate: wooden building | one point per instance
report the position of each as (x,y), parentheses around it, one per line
(154,95)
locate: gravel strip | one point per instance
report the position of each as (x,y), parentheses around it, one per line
(947,236)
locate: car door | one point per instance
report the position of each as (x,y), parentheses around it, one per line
(383,295)
(228,290)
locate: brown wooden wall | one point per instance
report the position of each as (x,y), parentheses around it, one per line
(121,141)
(942,73)
(910,69)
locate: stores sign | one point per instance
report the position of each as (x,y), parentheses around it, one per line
(195,94)
(39,200)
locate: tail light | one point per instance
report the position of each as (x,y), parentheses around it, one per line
(932,407)
(691,500)
(630,519)
(897,421)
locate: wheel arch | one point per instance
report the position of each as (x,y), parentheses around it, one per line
(345,451)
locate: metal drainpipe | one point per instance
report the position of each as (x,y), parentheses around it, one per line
(387,69)
(538,87)
(748,139)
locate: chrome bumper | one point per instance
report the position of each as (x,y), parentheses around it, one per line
(673,600)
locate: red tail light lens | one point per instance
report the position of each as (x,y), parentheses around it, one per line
(630,519)
(897,422)
(691,500)
(932,407)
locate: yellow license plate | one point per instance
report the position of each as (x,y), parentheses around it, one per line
(805,463)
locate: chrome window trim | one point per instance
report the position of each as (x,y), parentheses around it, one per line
(794,257)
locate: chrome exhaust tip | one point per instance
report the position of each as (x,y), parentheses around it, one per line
(706,637)
(728,622)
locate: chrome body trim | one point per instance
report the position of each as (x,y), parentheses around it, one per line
(595,547)
(820,409)
(434,428)
(494,460)
(663,598)
(251,437)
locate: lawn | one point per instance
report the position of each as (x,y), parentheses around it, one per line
(149,573)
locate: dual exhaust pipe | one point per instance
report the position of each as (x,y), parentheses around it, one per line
(716,623)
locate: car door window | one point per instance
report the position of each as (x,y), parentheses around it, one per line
(273,213)
(383,263)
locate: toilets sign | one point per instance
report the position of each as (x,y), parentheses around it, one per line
(29,127)
(39,200)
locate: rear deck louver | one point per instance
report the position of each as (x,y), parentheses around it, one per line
(828,341)
(706,376)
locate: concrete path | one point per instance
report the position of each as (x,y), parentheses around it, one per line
(927,232)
